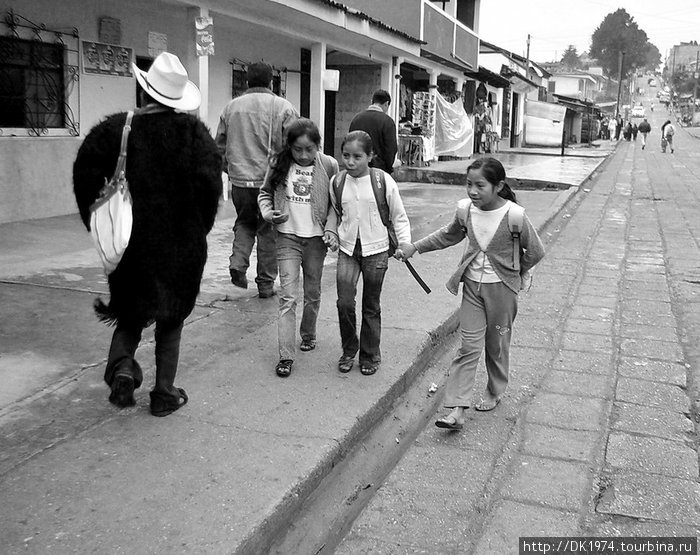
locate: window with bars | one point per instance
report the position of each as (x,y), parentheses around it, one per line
(32,88)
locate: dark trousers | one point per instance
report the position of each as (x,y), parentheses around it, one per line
(248,227)
(372,268)
(125,341)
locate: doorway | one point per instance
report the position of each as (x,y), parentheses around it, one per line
(329,124)
(514,124)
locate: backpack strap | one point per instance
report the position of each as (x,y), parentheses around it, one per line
(463,208)
(516,215)
(338,186)
(379,190)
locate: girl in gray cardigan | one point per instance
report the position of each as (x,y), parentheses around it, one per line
(491,277)
(295,199)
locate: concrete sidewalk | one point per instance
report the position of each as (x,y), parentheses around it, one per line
(526,168)
(225,473)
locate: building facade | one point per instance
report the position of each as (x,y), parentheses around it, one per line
(66,67)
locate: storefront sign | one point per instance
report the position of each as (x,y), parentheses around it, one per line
(157,43)
(205,36)
(106,59)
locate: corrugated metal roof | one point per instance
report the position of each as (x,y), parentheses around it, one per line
(370,19)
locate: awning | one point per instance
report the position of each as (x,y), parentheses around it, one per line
(489,77)
(519,83)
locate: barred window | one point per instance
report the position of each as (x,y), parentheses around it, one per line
(32,88)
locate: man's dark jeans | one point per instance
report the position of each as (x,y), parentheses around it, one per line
(248,227)
(373,268)
(125,341)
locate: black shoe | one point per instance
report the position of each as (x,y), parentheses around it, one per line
(238,278)
(163,405)
(122,393)
(266,292)
(284,368)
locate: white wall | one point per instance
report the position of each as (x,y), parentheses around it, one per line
(36,173)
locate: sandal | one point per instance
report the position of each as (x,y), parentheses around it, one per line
(284,368)
(368,370)
(449,423)
(307,344)
(486,405)
(346,363)
(163,404)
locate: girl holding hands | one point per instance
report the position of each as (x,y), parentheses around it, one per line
(295,199)
(491,278)
(368,210)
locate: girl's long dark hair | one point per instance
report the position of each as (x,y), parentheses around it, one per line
(279,168)
(494,172)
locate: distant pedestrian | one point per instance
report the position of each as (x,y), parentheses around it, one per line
(251,130)
(174,171)
(612,129)
(381,128)
(370,221)
(627,134)
(644,129)
(295,198)
(491,279)
(667,132)
(618,127)
(635,130)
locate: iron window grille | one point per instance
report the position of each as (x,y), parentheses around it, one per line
(38,73)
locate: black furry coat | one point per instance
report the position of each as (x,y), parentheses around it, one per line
(174,171)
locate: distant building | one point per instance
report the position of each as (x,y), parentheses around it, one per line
(682,57)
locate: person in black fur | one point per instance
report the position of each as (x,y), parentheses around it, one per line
(174,172)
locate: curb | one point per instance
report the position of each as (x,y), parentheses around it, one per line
(274,525)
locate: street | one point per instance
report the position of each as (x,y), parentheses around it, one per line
(596,435)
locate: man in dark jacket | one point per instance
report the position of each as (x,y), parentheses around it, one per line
(174,172)
(375,121)
(644,129)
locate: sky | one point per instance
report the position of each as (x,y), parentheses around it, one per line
(555,24)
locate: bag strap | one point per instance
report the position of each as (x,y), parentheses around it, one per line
(516,214)
(121,162)
(338,186)
(379,190)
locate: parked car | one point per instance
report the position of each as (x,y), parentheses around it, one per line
(639,112)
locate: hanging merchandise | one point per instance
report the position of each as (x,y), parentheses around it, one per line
(424,112)
(453,129)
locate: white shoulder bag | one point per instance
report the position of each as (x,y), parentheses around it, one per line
(111,216)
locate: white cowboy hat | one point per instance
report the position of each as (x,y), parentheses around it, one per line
(166,81)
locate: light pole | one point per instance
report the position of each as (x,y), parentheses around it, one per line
(621,58)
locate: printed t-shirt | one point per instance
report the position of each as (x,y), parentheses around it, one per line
(300,222)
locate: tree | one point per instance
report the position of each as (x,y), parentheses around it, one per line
(653,57)
(571,59)
(619,33)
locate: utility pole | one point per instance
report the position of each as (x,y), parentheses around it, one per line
(696,74)
(527,74)
(621,58)
(527,58)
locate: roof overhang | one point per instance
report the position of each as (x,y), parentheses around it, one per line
(489,77)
